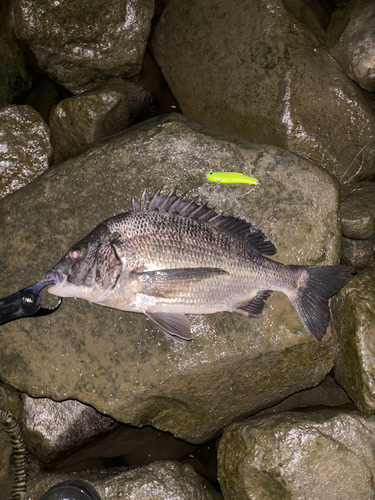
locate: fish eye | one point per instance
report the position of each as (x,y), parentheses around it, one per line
(75,254)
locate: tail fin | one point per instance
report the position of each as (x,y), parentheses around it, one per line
(317,285)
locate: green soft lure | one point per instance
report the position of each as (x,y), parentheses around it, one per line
(231,178)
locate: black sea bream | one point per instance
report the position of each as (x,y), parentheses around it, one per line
(169,257)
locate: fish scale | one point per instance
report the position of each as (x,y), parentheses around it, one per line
(169,257)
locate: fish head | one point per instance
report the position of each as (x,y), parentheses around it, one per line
(90,269)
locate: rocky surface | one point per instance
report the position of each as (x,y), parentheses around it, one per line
(266,78)
(358,253)
(82,120)
(301,455)
(25,147)
(52,430)
(86,44)
(357,211)
(118,362)
(354,368)
(166,480)
(350,40)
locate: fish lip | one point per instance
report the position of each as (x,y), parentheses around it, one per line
(56,276)
(59,280)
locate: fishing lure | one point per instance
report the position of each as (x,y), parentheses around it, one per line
(231,178)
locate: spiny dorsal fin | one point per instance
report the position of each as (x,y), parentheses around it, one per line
(238,228)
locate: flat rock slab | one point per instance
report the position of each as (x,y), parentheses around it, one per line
(301,455)
(253,69)
(118,362)
(355,367)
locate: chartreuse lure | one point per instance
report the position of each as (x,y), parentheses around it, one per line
(231,178)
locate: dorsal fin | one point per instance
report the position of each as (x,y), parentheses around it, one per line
(238,228)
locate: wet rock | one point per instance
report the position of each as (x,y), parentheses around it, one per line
(158,481)
(354,368)
(86,44)
(17,70)
(358,253)
(118,362)
(25,147)
(357,211)
(52,430)
(304,455)
(254,70)
(82,120)
(350,39)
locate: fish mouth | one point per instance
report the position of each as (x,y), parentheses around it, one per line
(59,280)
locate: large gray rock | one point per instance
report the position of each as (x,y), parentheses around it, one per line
(254,70)
(52,430)
(25,147)
(118,362)
(324,454)
(358,253)
(357,211)
(87,43)
(82,120)
(350,39)
(355,367)
(158,481)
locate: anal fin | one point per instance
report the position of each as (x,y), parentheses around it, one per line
(171,324)
(255,306)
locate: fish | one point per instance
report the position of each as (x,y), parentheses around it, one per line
(169,256)
(231,178)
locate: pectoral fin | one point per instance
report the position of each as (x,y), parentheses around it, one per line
(172,325)
(169,282)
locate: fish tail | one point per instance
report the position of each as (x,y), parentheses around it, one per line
(316,284)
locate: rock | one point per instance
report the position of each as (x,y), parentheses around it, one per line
(350,40)
(357,211)
(358,253)
(82,120)
(25,147)
(158,481)
(304,455)
(88,43)
(354,367)
(118,362)
(253,70)
(17,70)
(53,430)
